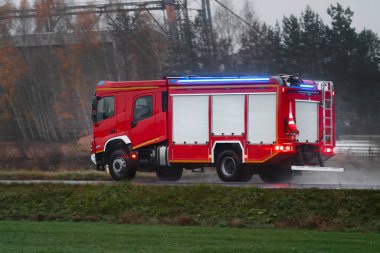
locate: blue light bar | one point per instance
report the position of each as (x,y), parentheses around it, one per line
(220,80)
(100,83)
(307,86)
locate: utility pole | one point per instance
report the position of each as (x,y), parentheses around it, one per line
(208,30)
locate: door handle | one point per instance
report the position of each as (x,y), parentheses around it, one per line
(112,131)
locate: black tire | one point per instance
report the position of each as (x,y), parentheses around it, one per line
(245,174)
(272,174)
(169,173)
(230,168)
(119,167)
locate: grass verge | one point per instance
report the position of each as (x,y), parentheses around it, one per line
(53,175)
(24,236)
(203,205)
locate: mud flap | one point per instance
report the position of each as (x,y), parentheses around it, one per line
(308,157)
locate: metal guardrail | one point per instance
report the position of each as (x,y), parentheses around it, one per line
(358,147)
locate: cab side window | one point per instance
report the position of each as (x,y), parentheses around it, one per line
(105,108)
(143,108)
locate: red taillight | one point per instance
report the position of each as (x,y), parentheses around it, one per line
(283,148)
(330,150)
(134,156)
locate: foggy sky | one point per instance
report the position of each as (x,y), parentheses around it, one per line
(366,12)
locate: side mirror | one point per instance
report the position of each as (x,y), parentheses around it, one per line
(93,117)
(94,104)
(133,124)
(94,108)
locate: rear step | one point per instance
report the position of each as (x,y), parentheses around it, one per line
(309,161)
(314,168)
(309,158)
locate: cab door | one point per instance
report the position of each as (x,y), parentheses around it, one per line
(104,126)
(143,126)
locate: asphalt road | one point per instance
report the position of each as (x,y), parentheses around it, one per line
(298,182)
(360,173)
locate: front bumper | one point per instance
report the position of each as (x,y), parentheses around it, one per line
(93,158)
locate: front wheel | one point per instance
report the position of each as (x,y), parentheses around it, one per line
(169,173)
(121,168)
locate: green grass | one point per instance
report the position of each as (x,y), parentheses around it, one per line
(101,237)
(78,175)
(202,205)
(53,175)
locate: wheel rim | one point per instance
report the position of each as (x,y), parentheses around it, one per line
(119,165)
(228,166)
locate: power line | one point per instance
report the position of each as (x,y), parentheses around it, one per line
(233,13)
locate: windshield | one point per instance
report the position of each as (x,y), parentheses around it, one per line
(103,108)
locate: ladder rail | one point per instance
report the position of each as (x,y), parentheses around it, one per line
(327,108)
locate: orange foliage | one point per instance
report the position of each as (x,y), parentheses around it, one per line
(66,116)
(12,67)
(85,22)
(24,5)
(43,13)
(72,80)
(84,27)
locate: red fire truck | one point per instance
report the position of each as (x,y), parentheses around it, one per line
(240,125)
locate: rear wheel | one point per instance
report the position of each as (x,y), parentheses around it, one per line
(169,173)
(121,168)
(245,174)
(280,173)
(230,168)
